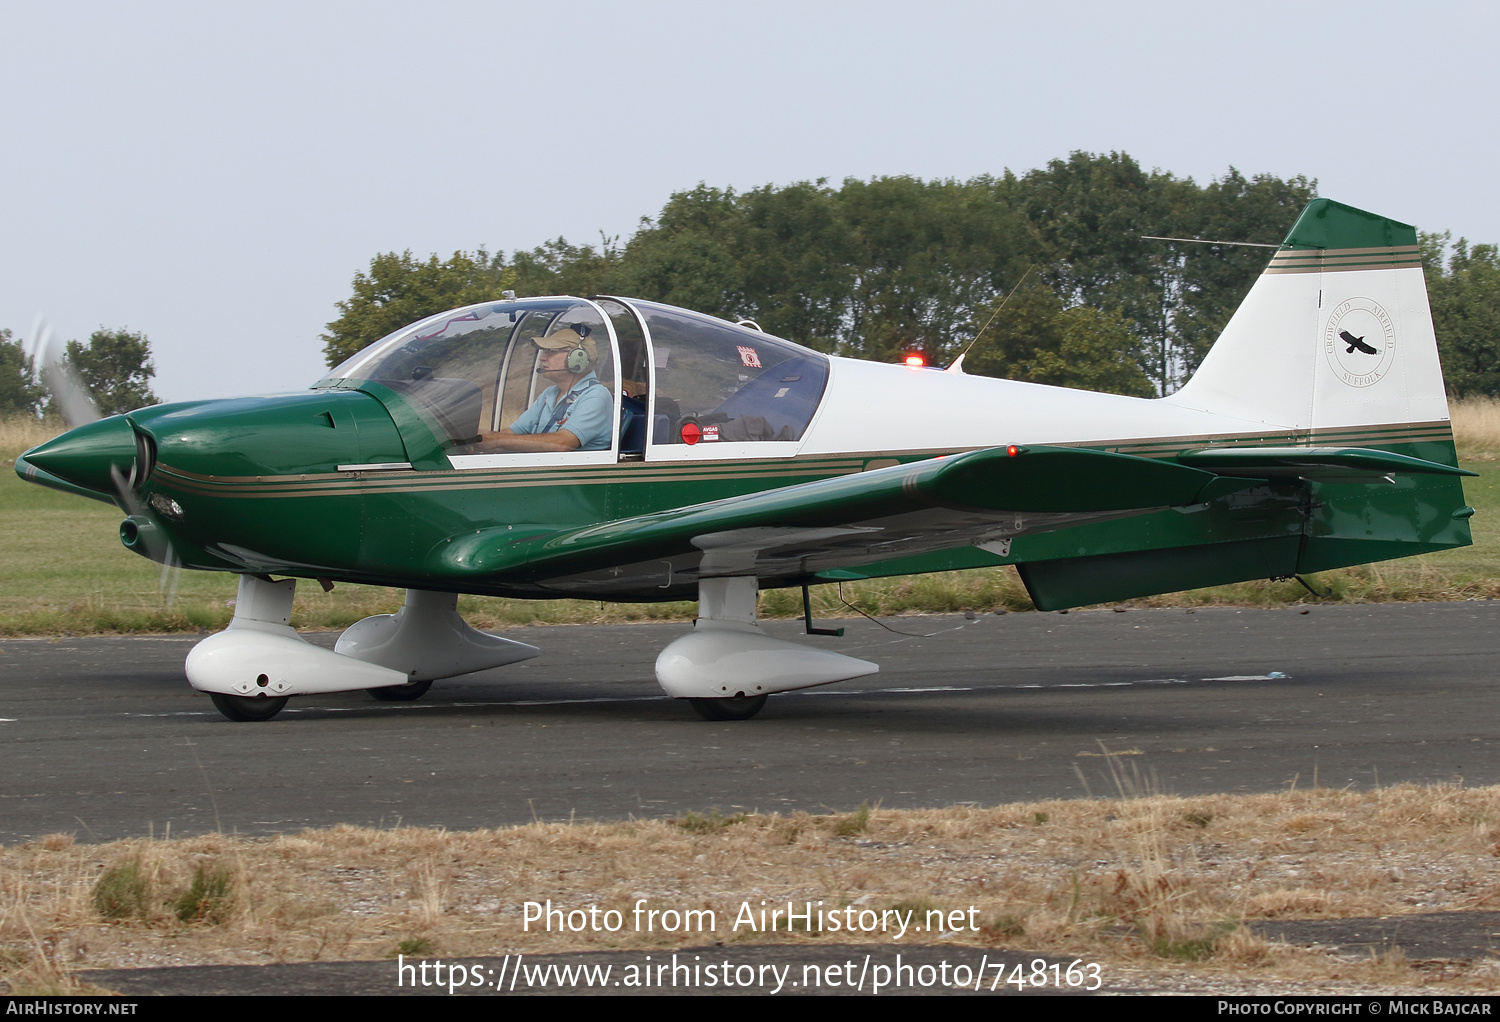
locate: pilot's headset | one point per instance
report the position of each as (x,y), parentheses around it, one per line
(579,359)
(579,348)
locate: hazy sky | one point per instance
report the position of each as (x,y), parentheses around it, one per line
(214,174)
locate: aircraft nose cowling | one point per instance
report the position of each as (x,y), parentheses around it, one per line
(85,456)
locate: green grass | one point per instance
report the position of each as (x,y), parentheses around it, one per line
(210,898)
(65,572)
(124,892)
(854,823)
(706,823)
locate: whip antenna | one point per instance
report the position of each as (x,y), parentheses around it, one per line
(1206,241)
(986,326)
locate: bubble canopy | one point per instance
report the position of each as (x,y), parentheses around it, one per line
(678,380)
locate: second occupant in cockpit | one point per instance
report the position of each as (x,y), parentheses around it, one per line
(574,414)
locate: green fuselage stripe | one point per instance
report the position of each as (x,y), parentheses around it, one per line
(782,471)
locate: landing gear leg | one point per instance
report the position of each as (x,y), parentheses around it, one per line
(727,667)
(426,639)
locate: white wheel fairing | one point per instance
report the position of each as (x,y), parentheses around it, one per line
(726,661)
(241,661)
(260,654)
(427,639)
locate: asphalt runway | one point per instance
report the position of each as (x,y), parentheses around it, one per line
(103,737)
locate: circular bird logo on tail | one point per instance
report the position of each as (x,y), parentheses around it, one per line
(1359,341)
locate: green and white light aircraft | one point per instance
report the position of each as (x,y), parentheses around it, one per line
(615,449)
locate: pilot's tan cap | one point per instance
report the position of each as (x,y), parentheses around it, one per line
(566,340)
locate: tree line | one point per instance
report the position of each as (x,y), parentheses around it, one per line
(1056,272)
(1053,276)
(883,268)
(1464,290)
(115,365)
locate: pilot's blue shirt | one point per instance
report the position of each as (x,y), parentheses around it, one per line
(588,414)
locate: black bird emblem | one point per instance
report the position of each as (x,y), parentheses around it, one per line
(1355,342)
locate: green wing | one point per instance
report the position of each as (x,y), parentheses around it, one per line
(791,534)
(895,518)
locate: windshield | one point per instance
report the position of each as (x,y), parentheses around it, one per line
(475,370)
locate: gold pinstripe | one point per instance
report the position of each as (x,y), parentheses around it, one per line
(1336,259)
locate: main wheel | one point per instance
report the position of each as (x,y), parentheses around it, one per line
(401,693)
(737,708)
(247,708)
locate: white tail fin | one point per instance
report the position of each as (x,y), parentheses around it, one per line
(1335,333)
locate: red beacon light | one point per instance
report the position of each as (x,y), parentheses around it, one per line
(914,361)
(1012,451)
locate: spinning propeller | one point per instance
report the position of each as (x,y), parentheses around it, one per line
(71,396)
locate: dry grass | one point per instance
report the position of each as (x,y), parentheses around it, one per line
(1476,427)
(20,432)
(1148,882)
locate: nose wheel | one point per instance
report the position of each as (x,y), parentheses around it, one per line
(737,708)
(247,708)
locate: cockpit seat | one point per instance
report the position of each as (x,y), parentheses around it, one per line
(632,425)
(777,404)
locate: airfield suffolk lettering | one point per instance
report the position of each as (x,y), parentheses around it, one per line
(1357,329)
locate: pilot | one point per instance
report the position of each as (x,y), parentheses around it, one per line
(576,413)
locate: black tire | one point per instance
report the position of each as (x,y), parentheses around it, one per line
(401,693)
(246,709)
(737,708)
